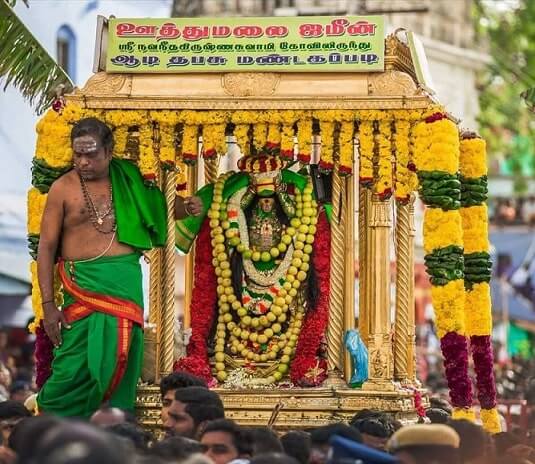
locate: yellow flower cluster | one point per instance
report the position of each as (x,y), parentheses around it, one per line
(491,420)
(366,147)
(260,135)
(473,160)
(437,146)
(36,206)
(274,133)
(448,303)
(148,162)
(304,138)
(327,132)
(383,184)
(241,132)
(181,178)
(475,229)
(441,229)
(463,413)
(190,142)
(403,175)
(167,144)
(346,147)
(53,140)
(479,316)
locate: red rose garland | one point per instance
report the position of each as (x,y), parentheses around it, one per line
(44,353)
(202,309)
(307,370)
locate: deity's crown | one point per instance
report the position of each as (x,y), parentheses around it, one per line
(260,164)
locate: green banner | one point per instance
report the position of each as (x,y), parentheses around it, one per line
(282,44)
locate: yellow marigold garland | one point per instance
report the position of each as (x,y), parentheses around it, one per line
(403,174)
(241,132)
(190,143)
(260,135)
(148,162)
(304,140)
(478,267)
(448,304)
(326,156)
(383,183)
(462,413)
(36,206)
(346,147)
(441,229)
(366,148)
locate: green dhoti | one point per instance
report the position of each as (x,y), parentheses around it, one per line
(101,356)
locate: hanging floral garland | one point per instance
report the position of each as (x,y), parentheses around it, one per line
(383,182)
(304,139)
(366,148)
(401,144)
(478,268)
(346,147)
(437,159)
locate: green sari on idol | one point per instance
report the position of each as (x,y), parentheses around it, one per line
(101,356)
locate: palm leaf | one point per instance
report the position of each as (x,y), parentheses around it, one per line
(25,64)
(529,98)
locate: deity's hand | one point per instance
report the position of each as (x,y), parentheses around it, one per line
(53,320)
(193,206)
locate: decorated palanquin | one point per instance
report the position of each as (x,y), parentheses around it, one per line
(270,271)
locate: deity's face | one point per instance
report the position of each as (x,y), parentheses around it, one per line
(266,204)
(91,159)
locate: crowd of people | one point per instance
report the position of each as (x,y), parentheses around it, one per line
(196,431)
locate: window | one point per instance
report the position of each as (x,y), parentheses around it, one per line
(66,50)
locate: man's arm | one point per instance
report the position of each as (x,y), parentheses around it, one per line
(190,206)
(51,226)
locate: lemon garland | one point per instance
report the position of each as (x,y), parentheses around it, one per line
(473,169)
(383,182)
(264,331)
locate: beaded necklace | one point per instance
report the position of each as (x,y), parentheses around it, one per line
(97,218)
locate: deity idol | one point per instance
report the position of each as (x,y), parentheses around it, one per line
(261,277)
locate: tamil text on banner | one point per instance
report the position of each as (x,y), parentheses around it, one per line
(283,44)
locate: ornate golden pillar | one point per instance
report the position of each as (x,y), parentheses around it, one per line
(404,292)
(349,307)
(190,257)
(411,345)
(363,263)
(335,331)
(211,169)
(166,328)
(380,360)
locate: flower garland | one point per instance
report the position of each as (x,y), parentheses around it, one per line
(366,148)
(203,303)
(304,140)
(307,370)
(346,147)
(327,141)
(190,143)
(273,138)
(437,159)
(260,136)
(383,182)
(259,337)
(401,143)
(478,267)
(148,161)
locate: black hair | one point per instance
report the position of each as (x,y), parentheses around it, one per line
(376,424)
(95,127)
(435,402)
(433,454)
(137,436)
(241,438)
(264,440)
(297,444)
(201,404)
(273,458)
(27,434)
(473,442)
(129,416)
(181,379)
(321,435)
(175,448)
(437,415)
(12,410)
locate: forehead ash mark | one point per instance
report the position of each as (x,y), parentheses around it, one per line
(85,145)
